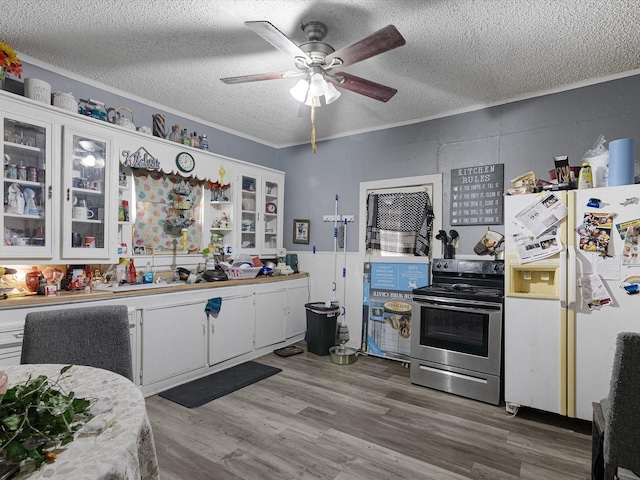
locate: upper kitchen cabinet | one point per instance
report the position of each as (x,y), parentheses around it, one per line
(27,186)
(90,174)
(260,201)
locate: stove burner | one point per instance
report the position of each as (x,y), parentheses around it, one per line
(464,287)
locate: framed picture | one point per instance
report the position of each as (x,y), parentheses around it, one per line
(301,231)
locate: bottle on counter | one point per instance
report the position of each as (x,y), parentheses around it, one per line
(185,137)
(585,177)
(204,143)
(174,136)
(148,274)
(133,276)
(195,140)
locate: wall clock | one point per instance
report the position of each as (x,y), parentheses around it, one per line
(185,162)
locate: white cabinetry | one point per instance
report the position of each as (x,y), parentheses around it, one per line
(173,339)
(231,330)
(51,215)
(11,343)
(27,185)
(269,322)
(260,202)
(90,182)
(295,312)
(280,312)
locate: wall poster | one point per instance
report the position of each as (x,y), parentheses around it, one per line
(477,195)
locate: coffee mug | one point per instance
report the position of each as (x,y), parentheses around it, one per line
(77,182)
(92,184)
(97,213)
(79,203)
(90,242)
(82,213)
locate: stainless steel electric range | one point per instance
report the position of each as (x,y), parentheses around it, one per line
(457,323)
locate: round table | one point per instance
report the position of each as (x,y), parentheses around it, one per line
(116,443)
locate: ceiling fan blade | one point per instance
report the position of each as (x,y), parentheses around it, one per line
(258,77)
(365,87)
(378,42)
(276,38)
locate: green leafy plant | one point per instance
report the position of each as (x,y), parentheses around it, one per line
(38,415)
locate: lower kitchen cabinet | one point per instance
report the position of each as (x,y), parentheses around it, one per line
(231,329)
(295,312)
(11,343)
(269,321)
(173,340)
(280,312)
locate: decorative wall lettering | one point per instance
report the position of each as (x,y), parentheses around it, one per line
(141,158)
(477,195)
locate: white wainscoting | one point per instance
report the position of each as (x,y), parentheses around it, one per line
(323,269)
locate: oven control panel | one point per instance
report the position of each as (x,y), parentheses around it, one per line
(477,267)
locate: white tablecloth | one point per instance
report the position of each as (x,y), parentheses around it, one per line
(123,450)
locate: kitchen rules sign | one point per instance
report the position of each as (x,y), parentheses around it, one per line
(477,195)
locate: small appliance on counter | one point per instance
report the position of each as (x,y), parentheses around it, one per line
(292,261)
(282,268)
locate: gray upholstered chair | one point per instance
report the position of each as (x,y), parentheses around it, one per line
(621,410)
(94,336)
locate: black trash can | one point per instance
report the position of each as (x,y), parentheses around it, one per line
(321,327)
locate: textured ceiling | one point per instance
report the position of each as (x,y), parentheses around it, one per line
(459,54)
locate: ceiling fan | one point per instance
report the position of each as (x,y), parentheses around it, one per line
(316,62)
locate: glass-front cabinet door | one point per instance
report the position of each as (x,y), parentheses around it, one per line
(88,191)
(249,221)
(261,205)
(26,188)
(271,192)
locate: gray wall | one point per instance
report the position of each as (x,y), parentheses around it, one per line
(220,142)
(524,136)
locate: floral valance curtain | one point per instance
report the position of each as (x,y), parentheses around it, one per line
(399,223)
(165,204)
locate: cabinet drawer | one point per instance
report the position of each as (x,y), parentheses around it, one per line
(11,335)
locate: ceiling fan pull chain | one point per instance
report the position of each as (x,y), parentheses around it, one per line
(314,147)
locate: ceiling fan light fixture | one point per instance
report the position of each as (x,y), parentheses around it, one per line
(309,102)
(299,90)
(318,85)
(332,94)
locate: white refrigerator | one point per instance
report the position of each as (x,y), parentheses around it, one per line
(558,349)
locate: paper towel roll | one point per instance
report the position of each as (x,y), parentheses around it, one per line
(621,161)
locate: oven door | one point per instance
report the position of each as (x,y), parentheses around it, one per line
(458,333)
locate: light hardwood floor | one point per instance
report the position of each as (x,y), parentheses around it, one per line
(319,420)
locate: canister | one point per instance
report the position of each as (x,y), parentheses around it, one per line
(22,172)
(13,172)
(32,174)
(66,101)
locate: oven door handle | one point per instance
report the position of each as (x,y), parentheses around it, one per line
(460,305)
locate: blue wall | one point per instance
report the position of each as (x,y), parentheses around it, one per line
(220,142)
(523,135)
